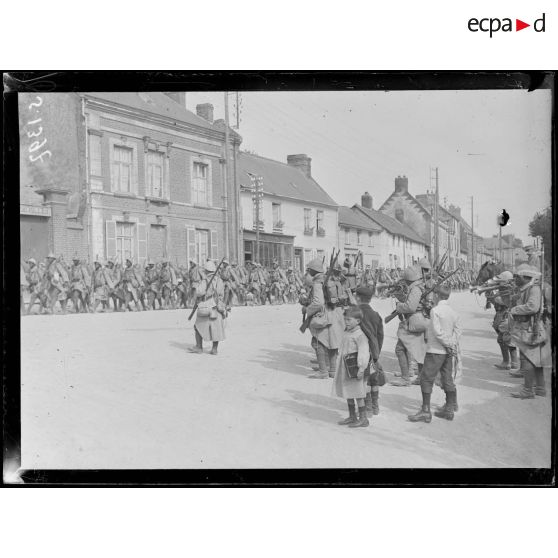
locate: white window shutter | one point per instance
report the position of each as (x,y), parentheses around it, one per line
(110,239)
(213,245)
(142,244)
(166,178)
(191,243)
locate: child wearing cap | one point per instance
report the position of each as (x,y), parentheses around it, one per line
(353,389)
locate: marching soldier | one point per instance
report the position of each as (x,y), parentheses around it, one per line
(58,283)
(115,279)
(165,284)
(130,285)
(195,276)
(151,280)
(101,288)
(81,282)
(534,350)
(410,347)
(34,285)
(228,279)
(211,312)
(350,273)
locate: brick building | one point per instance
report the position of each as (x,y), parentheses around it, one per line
(131,175)
(298,219)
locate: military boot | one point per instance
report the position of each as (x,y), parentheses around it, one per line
(505,364)
(447,412)
(368,403)
(424,415)
(362,419)
(526,391)
(352,415)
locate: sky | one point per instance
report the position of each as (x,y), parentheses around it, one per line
(492,145)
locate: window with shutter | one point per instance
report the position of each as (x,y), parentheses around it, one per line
(214,254)
(142,244)
(191,243)
(110,239)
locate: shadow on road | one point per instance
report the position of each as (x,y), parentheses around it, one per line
(294,359)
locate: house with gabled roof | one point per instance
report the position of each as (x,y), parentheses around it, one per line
(297,218)
(417,212)
(359,235)
(398,244)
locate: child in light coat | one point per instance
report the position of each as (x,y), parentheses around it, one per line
(353,389)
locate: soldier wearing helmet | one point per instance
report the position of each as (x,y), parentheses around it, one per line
(502,301)
(211,312)
(326,322)
(534,350)
(410,348)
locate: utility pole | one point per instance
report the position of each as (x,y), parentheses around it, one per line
(237,111)
(226,173)
(472,235)
(500,243)
(436,221)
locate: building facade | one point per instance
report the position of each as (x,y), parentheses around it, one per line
(398,245)
(134,175)
(417,212)
(297,218)
(358,235)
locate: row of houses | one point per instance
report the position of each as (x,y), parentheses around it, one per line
(137,175)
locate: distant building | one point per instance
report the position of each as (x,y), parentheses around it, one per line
(398,245)
(417,212)
(298,219)
(359,234)
(126,175)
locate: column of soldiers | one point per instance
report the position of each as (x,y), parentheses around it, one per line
(104,286)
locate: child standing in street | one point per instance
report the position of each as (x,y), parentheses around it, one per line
(352,363)
(442,350)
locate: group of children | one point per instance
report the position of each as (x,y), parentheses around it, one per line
(359,375)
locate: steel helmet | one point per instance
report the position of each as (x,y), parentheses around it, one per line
(316,265)
(505,276)
(209,266)
(411,274)
(424,263)
(32,261)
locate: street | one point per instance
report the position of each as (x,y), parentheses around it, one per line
(120,390)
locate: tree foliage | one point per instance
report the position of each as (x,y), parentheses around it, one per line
(541,225)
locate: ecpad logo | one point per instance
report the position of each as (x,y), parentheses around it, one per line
(492,25)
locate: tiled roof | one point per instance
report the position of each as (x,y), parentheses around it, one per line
(281,179)
(156,103)
(391,225)
(356,220)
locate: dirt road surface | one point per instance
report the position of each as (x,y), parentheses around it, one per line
(120,390)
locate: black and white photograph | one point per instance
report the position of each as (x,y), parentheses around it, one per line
(297,278)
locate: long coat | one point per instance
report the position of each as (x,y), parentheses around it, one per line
(529,304)
(331,335)
(413,342)
(351,388)
(211,328)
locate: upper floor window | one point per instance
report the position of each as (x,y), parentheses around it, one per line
(200,184)
(319,219)
(155,173)
(347,236)
(276,210)
(307,219)
(370,239)
(359,237)
(121,175)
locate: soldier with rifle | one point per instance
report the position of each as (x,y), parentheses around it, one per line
(323,317)
(410,347)
(210,309)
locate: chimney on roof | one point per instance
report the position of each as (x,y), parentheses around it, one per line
(302,162)
(177,96)
(402,184)
(366,200)
(205,111)
(455,210)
